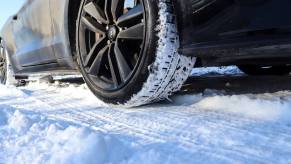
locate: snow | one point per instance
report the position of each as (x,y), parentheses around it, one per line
(34,139)
(252,108)
(230,70)
(64,123)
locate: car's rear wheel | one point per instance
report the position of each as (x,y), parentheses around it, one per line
(265,70)
(127,50)
(6,72)
(3,67)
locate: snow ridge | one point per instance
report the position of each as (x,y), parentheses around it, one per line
(32,138)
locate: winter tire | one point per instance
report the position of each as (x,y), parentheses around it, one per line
(128,54)
(3,67)
(6,71)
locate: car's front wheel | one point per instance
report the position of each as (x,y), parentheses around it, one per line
(127,50)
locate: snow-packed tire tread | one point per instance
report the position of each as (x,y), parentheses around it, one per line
(170,69)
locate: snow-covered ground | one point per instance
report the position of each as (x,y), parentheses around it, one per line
(230,70)
(65,123)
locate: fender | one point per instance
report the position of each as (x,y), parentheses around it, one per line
(204,23)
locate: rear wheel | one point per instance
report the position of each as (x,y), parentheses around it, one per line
(6,72)
(268,70)
(3,66)
(127,50)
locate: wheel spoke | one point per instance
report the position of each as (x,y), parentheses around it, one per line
(131,16)
(116,9)
(123,67)
(96,12)
(94,50)
(111,39)
(93,25)
(135,32)
(107,11)
(112,69)
(95,67)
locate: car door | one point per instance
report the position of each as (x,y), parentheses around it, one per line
(32,30)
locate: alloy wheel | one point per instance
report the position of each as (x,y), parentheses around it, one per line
(111,40)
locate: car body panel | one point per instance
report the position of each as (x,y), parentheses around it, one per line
(38,38)
(207,26)
(32,34)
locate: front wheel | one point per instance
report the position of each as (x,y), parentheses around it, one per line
(127,50)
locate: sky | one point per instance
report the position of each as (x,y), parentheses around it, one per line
(8,8)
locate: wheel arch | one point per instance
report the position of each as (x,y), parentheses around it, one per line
(73,10)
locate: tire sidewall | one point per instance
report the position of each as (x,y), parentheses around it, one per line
(121,96)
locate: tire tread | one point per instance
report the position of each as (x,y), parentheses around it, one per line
(170,70)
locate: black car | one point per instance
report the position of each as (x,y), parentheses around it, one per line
(134,52)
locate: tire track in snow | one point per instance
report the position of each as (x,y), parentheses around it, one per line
(98,114)
(206,133)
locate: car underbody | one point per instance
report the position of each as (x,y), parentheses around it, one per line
(231,32)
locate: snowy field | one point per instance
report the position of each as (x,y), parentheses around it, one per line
(65,124)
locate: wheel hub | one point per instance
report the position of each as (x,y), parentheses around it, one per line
(112,33)
(111,39)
